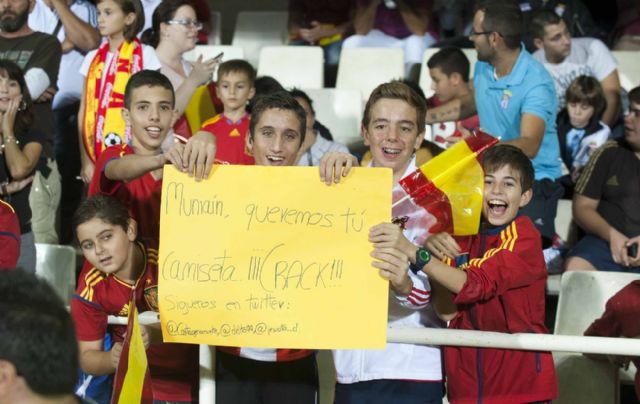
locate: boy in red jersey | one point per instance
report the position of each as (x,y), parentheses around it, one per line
(235,88)
(133,173)
(120,266)
(498,283)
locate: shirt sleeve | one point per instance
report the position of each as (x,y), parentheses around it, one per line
(88,316)
(511,265)
(601,60)
(594,176)
(100,184)
(150,59)
(420,295)
(541,100)
(48,57)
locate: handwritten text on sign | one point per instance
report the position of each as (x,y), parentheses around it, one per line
(272,257)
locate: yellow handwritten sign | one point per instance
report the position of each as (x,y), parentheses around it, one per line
(270,257)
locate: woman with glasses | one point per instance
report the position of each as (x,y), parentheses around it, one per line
(174,32)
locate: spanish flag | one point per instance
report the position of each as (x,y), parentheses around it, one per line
(132,383)
(450,186)
(202,106)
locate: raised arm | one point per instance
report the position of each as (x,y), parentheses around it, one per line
(81,34)
(365,16)
(454,110)
(416,19)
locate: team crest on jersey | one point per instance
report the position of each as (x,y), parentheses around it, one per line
(151,297)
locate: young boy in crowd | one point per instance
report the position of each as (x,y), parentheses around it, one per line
(235,88)
(580,127)
(133,173)
(449,71)
(498,283)
(247,375)
(120,267)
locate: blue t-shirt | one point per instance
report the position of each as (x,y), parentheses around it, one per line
(527,89)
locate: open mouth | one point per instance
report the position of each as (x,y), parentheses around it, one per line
(390,152)
(497,207)
(154,131)
(105,261)
(275,160)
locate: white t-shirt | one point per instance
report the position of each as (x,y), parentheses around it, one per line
(588,57)
(149,61)
(44,19)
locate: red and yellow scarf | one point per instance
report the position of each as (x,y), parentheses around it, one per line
(103,122)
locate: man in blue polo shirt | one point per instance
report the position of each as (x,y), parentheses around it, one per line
(514,97)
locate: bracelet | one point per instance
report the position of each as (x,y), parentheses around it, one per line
(10,139)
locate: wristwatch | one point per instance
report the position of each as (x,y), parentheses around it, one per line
(422,258)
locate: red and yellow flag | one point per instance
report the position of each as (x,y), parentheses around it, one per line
(450,185)
(132,383)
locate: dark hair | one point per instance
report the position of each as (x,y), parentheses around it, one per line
(239,66)
(540,20)
(37,334)
(147,78)
(24,118)
(165,12)
(281,100)
(450,60)
(397,90)
(587,90)
(634,95)
(297,93)
(508,155)
(266,85)
(105,208)
(504,18)
(131,6)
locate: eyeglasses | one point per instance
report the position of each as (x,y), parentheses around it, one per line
(197,25)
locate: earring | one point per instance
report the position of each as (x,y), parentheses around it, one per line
(22,106)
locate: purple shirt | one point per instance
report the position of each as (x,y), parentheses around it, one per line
(390,21)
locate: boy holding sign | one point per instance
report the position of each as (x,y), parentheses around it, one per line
(393,127)
(133,173)
(498,278)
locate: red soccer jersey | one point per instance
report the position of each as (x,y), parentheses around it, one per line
(504,292)
(141,195)
(173,367)
(230,139)
(9,236)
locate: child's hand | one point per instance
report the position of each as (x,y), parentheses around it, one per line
(393,266)
(86,172)
(442,245)
(333,165)
(116,352)
(199,154)
(174,156)
(389,235)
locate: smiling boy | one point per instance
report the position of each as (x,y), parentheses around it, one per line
(498,282)
(133,173)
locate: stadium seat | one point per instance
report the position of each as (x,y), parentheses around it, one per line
(57,264)
(340,111)
(582,299)
(215,36)
(363,69)
(293,66)
(628,68)
(257,29)
(425,78)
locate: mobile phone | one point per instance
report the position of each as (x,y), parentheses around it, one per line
(219,57)
(632,250)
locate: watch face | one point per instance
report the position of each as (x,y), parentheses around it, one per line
(424,255)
